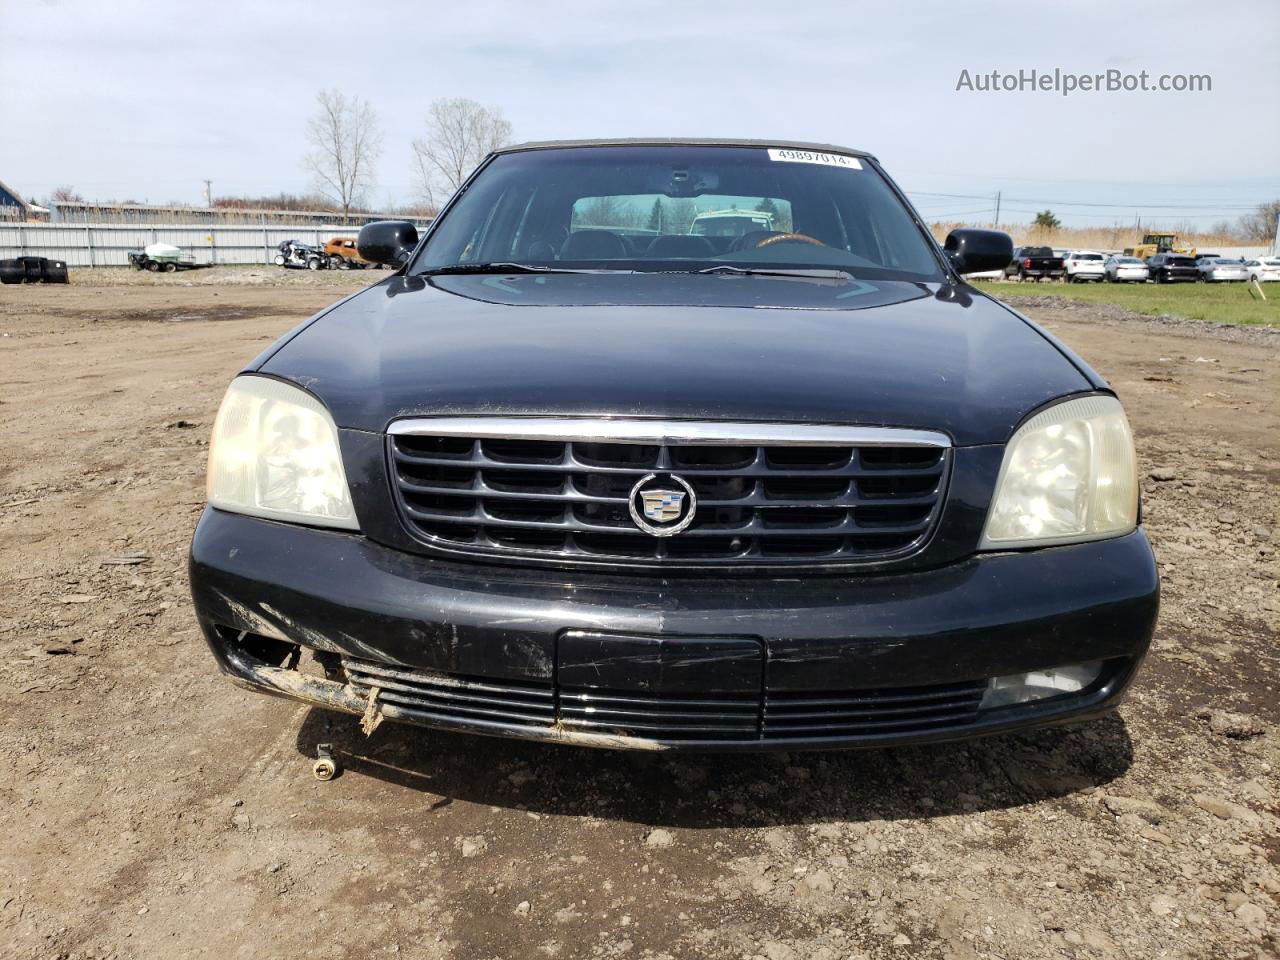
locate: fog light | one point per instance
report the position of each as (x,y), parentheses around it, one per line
(1040,684)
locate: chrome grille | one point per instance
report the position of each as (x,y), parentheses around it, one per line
(766,493)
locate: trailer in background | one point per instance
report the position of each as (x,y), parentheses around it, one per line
(165,257)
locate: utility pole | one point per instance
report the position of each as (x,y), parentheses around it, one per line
(1275,243)
(208,193)
(997,221)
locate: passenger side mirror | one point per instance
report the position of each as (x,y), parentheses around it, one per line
(387,241)
(973,251)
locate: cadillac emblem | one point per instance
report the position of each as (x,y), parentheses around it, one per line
(662,505)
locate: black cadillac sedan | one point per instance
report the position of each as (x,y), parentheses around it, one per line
(677,444)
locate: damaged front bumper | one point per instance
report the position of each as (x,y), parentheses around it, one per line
(647,662)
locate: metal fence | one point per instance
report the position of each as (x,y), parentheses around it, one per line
(108,244)
(137,214)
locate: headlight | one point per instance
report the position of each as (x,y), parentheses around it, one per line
(1069,474)
(274,454)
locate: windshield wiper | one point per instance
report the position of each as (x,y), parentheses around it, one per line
(504,267)
(813,273)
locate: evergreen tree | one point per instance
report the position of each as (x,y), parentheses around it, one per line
(655,216)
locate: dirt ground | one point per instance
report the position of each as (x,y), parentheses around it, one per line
(148,808)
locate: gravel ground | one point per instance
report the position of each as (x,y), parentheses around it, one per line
(238,276)
(151,809)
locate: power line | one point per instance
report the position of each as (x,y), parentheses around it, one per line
(1139,206)
(1117,217)
(954,213)
(1206,207)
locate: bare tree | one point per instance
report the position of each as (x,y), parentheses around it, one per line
(607,213)
(460,133)
(66,195)
(345,141)
(1260,226)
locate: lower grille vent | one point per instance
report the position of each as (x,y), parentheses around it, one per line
(870,712)
(710,718)
(714,717)
(461,699)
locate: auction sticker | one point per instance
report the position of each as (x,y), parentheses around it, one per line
(788,155)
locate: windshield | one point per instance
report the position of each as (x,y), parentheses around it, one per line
(675,208)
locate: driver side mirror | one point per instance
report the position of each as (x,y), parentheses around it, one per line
(387,241)
(973,251)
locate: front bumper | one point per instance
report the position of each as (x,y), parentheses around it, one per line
(650,662)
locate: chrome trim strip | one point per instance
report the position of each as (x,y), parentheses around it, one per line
(666,432)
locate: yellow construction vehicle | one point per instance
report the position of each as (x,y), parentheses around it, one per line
(1154,243)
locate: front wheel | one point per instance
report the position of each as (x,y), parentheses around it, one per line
(313,263)
(153,266)
(279,260)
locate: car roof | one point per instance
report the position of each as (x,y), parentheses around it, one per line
(683,142)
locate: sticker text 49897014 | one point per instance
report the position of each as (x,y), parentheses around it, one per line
(812,156)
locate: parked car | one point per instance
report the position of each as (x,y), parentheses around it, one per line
(1263,269)
(294,253)
(1122,269)
(811,491)
(344,255)
(1172,268)
(1083,265)
(732,222)
(1218,269)
(986,275)
(1034,263)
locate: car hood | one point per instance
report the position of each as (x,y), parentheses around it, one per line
(926,356)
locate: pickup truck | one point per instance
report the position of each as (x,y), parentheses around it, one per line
(1032,263)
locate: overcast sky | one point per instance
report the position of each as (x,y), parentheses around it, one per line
(144,100)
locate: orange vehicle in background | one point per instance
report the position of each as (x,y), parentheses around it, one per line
(343,254)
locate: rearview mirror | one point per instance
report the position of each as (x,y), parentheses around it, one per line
(973,251)
(387,241)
